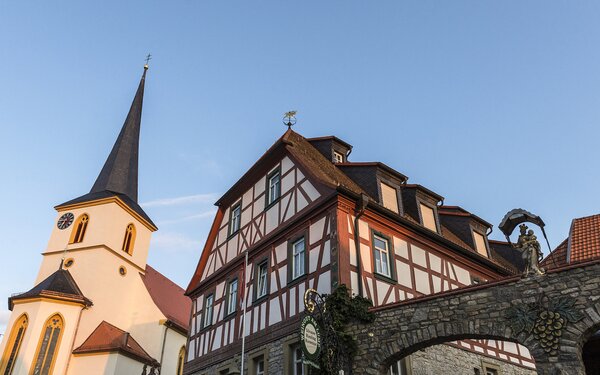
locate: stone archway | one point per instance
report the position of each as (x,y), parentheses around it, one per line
(480,311)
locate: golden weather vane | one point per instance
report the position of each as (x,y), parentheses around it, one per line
(289,118)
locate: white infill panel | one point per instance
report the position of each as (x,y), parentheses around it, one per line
(324,285)
(422,281)
(287,182)
(286,165)
(272,217)
(292,305)
(354,282)
(281,252)
(462,275)
(363,229)
(326,253)
(382,289)
(274,311)
(316,230)
(192,349)
(217,341)
(389,197)
(231,330)
(247,324)
(418,256)
(435,262)
(365,257)
(352,252)
(302,202)
(313,259)
(300,297)
(283,276)
(259,206)
(263,316)
(401,247)
(246,217)
(219,290)
(437,284)
(310,190)
(299,175)
(291,211)
(350,223)
(259,187)
(226,333)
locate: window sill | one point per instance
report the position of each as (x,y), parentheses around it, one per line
(230,236)
(268,206)
(385,278)
(230,315)
(260,299)
(297,280)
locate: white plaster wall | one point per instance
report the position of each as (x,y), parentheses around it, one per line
(95,364)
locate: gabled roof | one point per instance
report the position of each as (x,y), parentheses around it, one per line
(60,285)
(583,243)
(169,298)
(119,175)
(107,338)
(459,211)
(558,257)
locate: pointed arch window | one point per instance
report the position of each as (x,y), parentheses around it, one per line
(79,229)
(13,345)
(48,345)
(129,239)
(180,361)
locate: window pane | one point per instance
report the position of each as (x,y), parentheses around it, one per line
(428,217)
(51,349)
(298,252)
(232,297)
(480,244)
(274,188)
(40,357)
(208,315)
(262,280)
(381,255)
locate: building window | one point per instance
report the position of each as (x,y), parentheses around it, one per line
(129,239)
(273,186)
(262,279)
(338,157)
(232,292)
(298,255)
(399,368)
(490,371)
(389,197)
(180,361)
(258,366)
(235,218)
(48,345)
(78,231)
(428,217)
(480,244)
(297,365)
(381,254)
(13,345)
(208,310)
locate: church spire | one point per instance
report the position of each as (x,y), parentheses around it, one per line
(120,171)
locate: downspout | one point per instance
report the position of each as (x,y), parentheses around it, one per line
(164,341)
(74,338)
(360,210)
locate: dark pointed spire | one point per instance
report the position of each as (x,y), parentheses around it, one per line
(120,171)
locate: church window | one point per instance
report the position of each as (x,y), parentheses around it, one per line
(13,345)
(129,239)
(208,310)
(48,345)
(235,218)
(232,293)
(273,186)
(79,229)
(69,262)
(381,255)
(180,361)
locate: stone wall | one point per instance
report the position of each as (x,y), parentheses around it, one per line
(446,359)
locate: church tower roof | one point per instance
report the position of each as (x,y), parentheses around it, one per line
(119,175)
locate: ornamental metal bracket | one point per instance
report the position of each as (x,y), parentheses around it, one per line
(545,319)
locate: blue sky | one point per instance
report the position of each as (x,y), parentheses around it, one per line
(493,105)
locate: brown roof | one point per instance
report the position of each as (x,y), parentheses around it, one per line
(169,298)
(584,239)
(108,338)
(558,256)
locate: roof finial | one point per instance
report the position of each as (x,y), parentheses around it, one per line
(289,119)
(148,58)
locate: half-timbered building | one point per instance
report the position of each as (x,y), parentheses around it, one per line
(304,216)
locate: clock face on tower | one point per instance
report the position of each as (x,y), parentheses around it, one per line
(65,221)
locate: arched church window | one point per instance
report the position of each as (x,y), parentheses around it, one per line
(48,345)
(13,345)
(79,229)
(129,239)
(180,360)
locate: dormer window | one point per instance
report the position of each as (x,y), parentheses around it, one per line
(338,157)
(389,197)
(428,217)
(235,218)
(480,243)
(273,186)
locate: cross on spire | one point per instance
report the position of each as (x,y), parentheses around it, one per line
(148,58)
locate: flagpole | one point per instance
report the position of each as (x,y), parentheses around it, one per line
(244,315)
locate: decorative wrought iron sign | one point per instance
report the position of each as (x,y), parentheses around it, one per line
(310,339)
(545,319)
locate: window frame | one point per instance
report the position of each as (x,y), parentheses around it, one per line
(204,326)
(270,175)
(129,243)
(180,360)
(290,260)
(79,229)
(261,262)
(485,242)
(55,349)
(436,217)
(230,230)
(335,158)
(391,278)
(227,313)
(13,344)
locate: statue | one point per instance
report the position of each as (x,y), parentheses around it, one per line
(531,251)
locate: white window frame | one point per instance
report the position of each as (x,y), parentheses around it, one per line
(208,310)
(338,157)
(232,296)
(236,218)
(298,258)
(257,363)
(379,254)
(273,186)
(297,359)
(262,275)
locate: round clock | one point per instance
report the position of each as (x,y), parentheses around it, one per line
(65,221)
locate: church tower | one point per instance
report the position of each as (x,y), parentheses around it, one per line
(97,307)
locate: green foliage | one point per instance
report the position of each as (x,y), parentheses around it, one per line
(344,310)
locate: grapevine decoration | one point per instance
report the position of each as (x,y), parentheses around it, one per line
(545,319)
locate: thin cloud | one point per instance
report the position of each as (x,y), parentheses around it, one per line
(4,316)
(202,215)
(188,199)
(174,242)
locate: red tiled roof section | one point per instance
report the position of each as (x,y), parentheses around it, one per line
(558,257)
(584,241)
(168,297)
(108,338)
